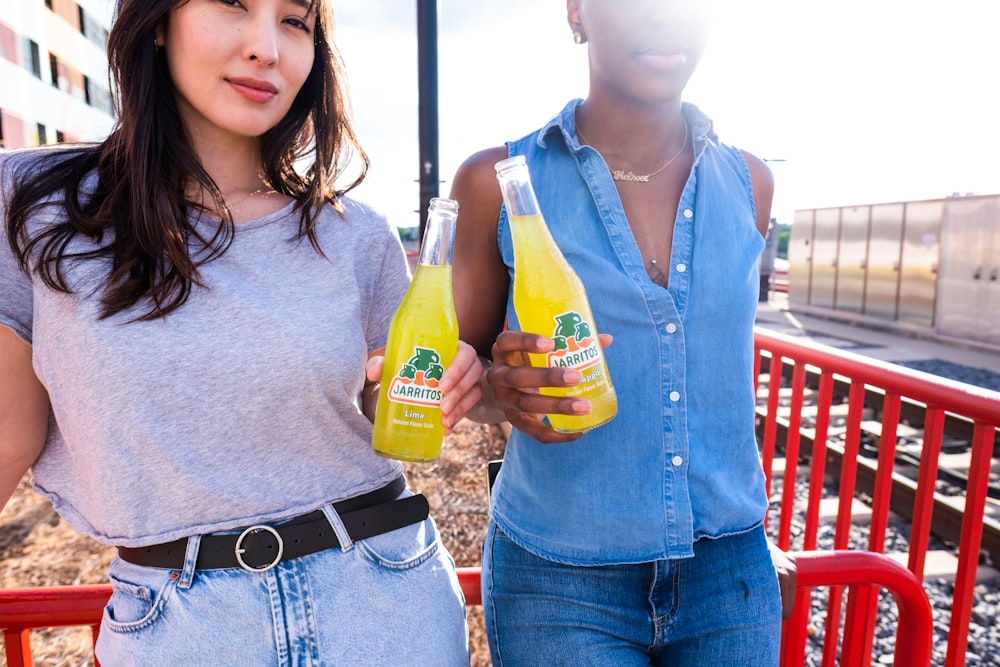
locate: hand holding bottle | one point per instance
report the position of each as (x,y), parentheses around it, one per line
(516,386)
(459,384)
(549,298)
(410,422)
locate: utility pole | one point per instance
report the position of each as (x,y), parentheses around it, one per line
(427,105)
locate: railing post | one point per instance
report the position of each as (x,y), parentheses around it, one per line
(968,546)
(17,645)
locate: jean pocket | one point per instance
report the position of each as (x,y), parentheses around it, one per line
(403,548)
(138,596)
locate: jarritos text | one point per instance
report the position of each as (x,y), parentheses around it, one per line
(416,382)
(576,345)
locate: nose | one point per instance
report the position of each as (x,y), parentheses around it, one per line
(262,43)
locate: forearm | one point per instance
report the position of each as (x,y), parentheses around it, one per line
(24,413)
(13,466)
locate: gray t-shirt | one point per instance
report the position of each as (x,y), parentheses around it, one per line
(239,408)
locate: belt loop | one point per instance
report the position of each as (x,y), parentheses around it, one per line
(190,561)
(343,537)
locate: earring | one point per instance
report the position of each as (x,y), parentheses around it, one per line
(578,37)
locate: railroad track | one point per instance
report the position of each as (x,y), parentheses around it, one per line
(949,496)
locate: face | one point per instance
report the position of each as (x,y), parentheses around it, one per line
(645,50)
(237,65)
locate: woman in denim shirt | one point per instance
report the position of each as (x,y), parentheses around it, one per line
(642,541)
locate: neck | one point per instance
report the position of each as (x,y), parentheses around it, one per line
(233,162)
(636,133)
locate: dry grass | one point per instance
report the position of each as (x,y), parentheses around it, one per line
(37,548)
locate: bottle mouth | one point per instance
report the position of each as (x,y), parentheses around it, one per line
(513,162)
(443,205)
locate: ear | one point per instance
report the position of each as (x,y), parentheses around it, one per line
(573,14)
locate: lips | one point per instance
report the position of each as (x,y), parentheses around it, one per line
(255,90)
(662,59)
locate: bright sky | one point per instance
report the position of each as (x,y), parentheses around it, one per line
(859,101)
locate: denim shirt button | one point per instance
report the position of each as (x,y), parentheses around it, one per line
(671,328)
(677,461)
(675,396)
(688,213)
(681,268)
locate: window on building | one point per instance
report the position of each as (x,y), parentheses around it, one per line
(86,90)
(83,20)
(36,59)
(100,98)
(8,43)
(42,139)
(60,137)
(48,3)
(54,69)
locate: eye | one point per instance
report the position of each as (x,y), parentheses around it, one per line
(231,3)
(300,24)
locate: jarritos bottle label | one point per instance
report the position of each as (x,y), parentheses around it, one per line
(416,382)
(576,345)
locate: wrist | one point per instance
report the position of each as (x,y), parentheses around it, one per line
(486,411)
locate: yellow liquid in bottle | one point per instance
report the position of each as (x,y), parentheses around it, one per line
(423,340)
(550,300)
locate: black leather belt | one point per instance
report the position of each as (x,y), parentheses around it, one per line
(259,548)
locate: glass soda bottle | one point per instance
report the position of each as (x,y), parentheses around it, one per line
(550,300)
(423,341)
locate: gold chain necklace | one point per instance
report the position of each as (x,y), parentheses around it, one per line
(242,199)
(630,176)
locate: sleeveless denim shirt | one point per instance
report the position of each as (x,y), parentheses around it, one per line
(680,461)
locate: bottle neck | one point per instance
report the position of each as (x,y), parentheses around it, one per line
(438,242)
(515,186)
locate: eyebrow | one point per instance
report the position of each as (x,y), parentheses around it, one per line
(304,4)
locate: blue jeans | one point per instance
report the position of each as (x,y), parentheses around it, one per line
(392,599)
(720,608)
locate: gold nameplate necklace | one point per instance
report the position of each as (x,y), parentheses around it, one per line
(632,177)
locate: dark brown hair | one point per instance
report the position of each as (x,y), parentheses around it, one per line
(136,212)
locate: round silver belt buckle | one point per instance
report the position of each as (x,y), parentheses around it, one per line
(240,550)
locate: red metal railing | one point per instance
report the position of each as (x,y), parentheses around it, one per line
(938,399)
(864,572)
(24,609)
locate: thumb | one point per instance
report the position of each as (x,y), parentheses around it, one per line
(373,368)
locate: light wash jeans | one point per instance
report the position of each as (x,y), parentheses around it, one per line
(721,608)
(392,599)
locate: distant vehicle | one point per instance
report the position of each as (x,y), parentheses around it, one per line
(779,275)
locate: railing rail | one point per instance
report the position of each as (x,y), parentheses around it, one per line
(941,399)
(24,609)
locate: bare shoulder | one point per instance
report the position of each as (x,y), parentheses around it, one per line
(476,190)
(476,175)
(763,189)
(760,173)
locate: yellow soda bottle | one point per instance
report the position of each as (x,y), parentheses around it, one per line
(423,341)
(549,299)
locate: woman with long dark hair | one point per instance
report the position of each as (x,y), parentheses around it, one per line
(193,315)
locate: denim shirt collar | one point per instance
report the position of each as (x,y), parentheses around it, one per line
(702,131)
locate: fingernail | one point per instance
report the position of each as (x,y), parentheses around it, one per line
(581,407)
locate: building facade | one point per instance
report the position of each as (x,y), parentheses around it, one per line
(54,72)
